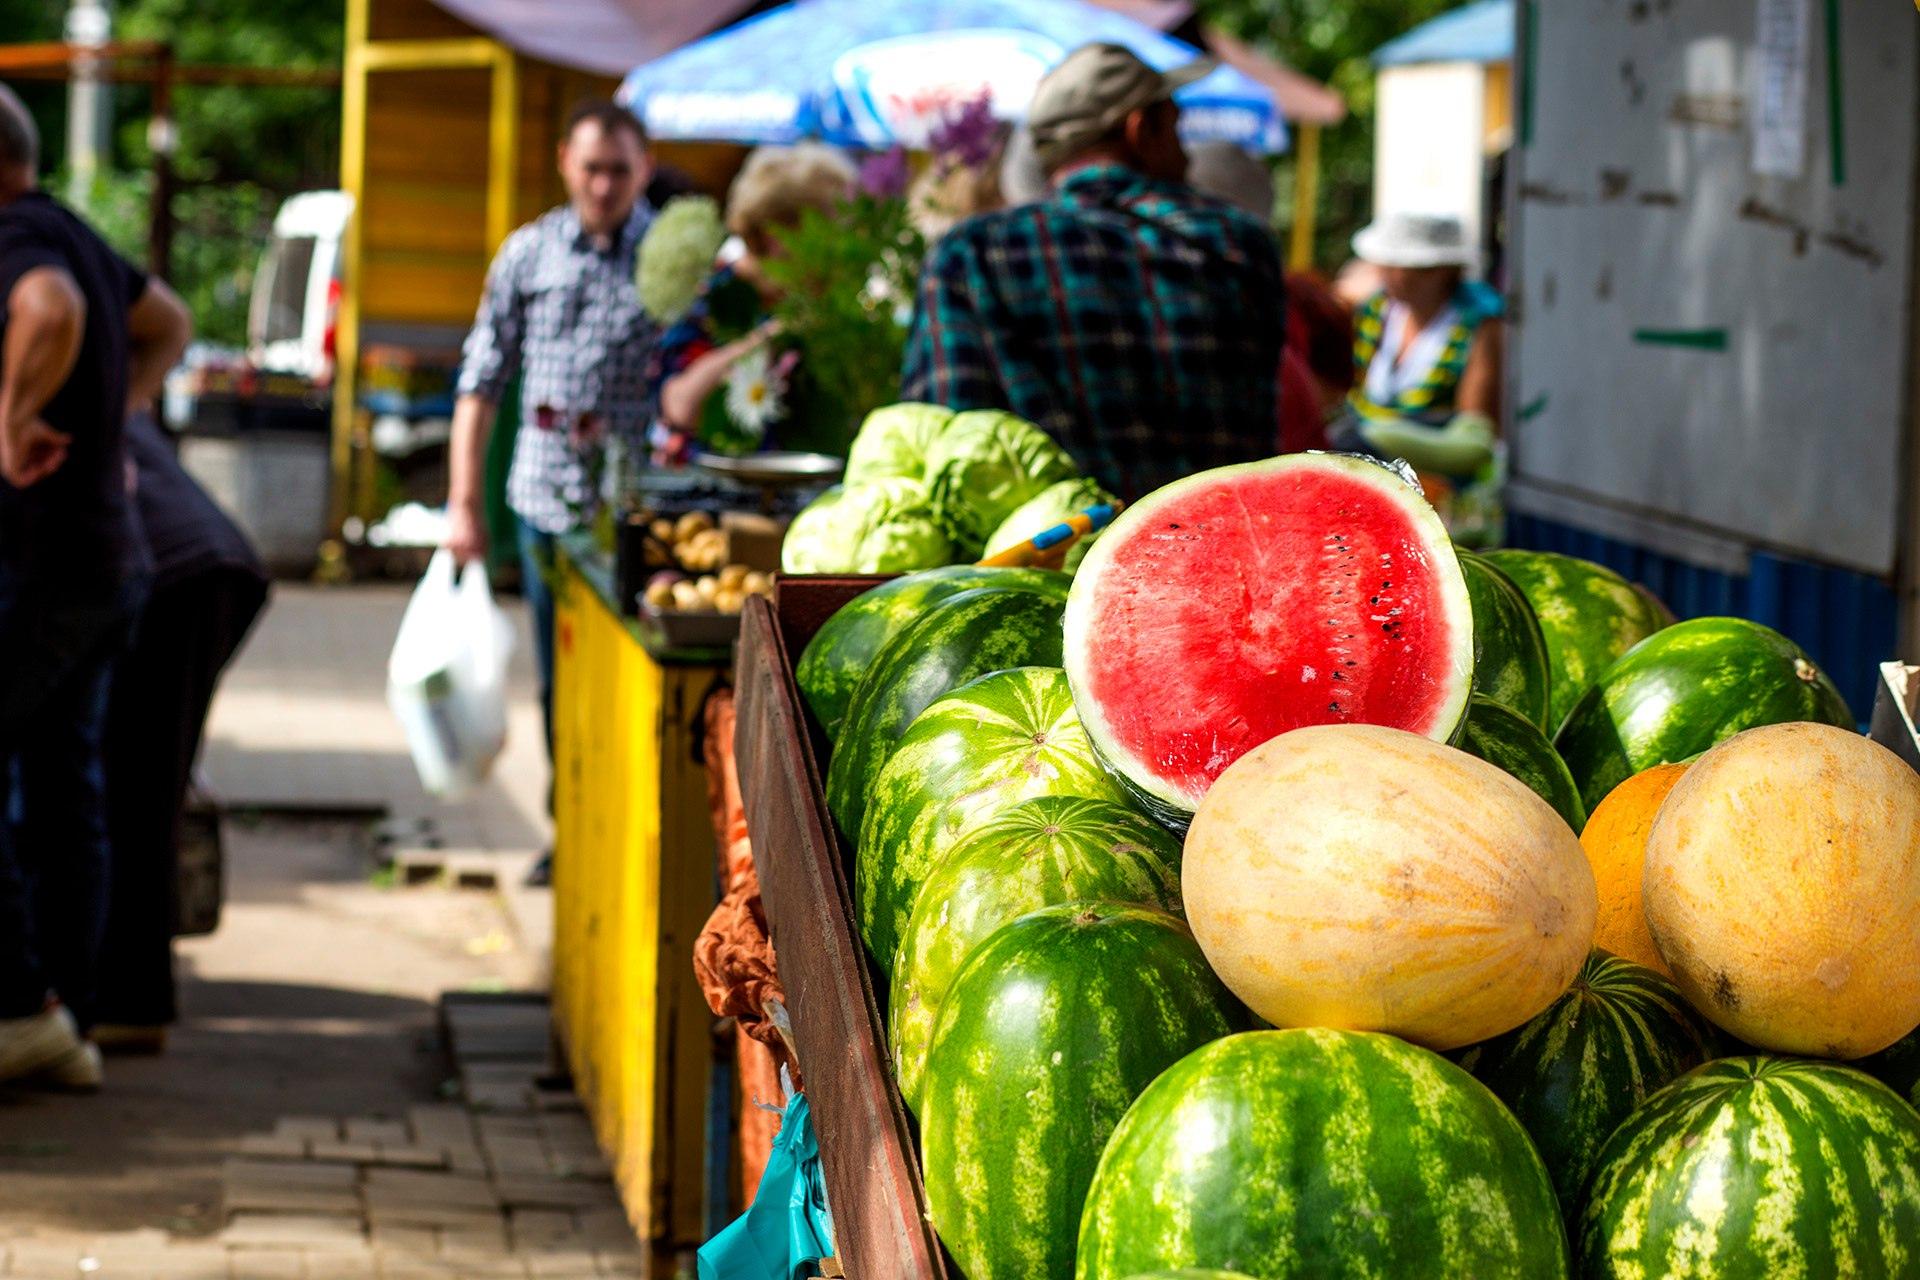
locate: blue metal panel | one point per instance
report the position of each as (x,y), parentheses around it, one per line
(1847,622)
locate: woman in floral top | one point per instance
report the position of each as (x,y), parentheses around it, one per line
(725,381)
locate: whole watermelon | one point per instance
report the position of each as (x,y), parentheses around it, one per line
(1044,852)
(1052,1028)
(1509,650)
(1755,1169)
(1688,688)
(1321,1153)
(1507,740)
(839,654)
(1589,615)
(959,639)
(1572,1074)
(968,758)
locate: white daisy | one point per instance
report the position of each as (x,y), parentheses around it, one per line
(755,396)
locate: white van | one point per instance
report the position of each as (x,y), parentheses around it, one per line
(296,292)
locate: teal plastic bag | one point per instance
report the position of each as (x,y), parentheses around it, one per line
(787,1228)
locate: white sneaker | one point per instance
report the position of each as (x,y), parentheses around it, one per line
(48,1045)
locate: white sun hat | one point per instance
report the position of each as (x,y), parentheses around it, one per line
(1415,240)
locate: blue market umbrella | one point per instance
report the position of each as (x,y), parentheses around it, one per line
(875,73)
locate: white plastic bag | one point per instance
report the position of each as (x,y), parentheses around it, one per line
(447,676)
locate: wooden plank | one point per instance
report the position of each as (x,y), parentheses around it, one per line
(873,1180)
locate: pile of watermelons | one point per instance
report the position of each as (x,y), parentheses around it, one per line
(1290,894)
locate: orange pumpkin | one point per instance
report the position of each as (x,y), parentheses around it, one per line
(1615,839)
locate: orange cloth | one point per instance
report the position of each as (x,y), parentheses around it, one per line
(733,956)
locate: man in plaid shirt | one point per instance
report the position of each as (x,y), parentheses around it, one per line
(560,310)
(1135,320)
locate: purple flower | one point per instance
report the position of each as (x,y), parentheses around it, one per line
(967,135)
(884,174)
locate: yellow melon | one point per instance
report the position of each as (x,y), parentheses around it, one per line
(1369,879)
(1783,889)
(1615,839)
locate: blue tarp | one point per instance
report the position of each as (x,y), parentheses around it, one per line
(870,73)
(1481,32)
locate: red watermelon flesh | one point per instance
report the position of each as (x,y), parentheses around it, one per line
(1232,606)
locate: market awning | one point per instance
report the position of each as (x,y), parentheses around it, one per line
(607,37)
(859,73)
(1481,32)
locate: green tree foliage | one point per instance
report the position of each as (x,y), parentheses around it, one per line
(1333,41)
(241,149)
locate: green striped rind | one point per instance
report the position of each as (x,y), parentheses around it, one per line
(1192,1273)
(1038,854)
(1759,1169)
(1321,1153)
(959,639)
(969,757)
(1509,742)
(839,654)
(1052,1028)
(1589,615)
(1686,689)
(1509,649)
(1571,1075)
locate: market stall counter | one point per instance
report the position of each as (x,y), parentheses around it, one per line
(633,884)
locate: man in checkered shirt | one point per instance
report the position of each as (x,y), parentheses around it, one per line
(1135,320)
(560,309)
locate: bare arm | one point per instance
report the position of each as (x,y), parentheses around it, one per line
(1480,380)
(466,471)
(46,320)
(158,330)
(684,395)
(489,359)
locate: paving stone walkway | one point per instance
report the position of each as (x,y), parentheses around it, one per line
(505,1181)
(353,1092)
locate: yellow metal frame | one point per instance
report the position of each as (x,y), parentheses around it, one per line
(364,57)
(1306,196)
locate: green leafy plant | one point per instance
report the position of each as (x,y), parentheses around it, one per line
(848,279)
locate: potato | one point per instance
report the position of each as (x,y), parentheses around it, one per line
(728,601)
(733,576)
(660,595)
(690,524)
(687,596)
(758,584)
(661,529)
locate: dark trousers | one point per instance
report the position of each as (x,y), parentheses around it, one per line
(536,575)
(155,717)
(58,646)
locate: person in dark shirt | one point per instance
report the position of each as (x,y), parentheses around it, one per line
(82,334)
(1135,320)
(208,587)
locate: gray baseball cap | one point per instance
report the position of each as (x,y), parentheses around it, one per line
(1093,89)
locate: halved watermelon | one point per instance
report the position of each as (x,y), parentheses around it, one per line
(1234,605)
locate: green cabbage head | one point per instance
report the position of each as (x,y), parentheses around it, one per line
(883,526)
(894,440)
(982,466)
(1051,506)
